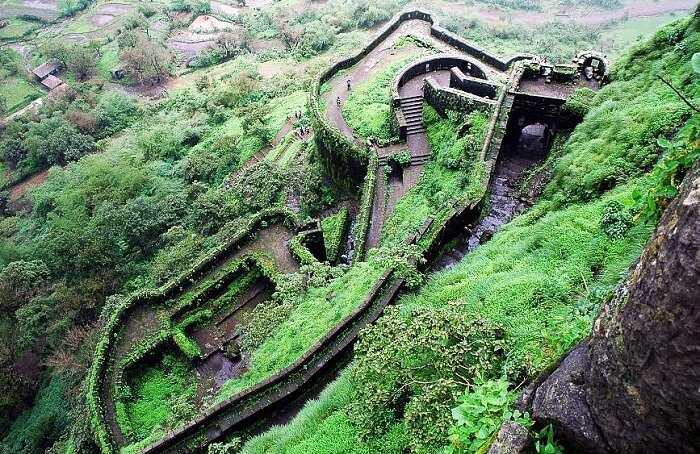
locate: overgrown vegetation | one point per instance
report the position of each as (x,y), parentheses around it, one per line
(161,394)
(137,191)
(537,284)
(334,227)
(454,174)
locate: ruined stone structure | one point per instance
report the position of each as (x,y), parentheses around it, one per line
(514,92)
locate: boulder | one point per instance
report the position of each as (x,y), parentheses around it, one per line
(512,438)
(645,345)
(561,401)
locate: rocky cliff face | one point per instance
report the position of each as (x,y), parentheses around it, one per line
(634,385)
(644,384)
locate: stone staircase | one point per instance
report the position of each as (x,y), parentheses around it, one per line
(416,160)
(256,158)
(412,108)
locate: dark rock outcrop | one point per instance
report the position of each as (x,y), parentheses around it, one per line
(512,438)
(645,345)
(632,387)
(561,401)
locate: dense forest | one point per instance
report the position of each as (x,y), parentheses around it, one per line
(120,187)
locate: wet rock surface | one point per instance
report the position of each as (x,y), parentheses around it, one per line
(632,387)
(645,346)
(561,401)
(512,438)
(504,204)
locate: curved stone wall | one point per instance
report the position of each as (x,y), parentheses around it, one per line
(115,317)
(346,159)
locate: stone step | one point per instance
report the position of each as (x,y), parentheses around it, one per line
(414,119)
(413,112)
(415,131)
(411,107)
(411,103)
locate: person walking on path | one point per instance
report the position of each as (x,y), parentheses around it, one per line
(348,84)
(337,101)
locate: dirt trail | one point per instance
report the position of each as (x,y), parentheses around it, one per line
(20,189)
(379,59)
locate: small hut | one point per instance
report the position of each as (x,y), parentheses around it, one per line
(48,68)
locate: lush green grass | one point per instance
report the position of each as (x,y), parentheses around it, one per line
(454,172)
(282,439)
(162,394)
(333,228)
(18,93)
(284,106)
(17,90)
(541,276)
(291,152)
(367,109)
(322,427)
(618,140)
(308,322)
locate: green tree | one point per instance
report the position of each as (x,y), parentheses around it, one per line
(145,60)
(116,112)
(20,280)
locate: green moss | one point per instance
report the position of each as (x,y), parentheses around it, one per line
(333,228)
(160,395)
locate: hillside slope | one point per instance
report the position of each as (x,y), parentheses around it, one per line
(531,292)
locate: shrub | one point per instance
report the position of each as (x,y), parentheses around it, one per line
(616,219)
(333,229)
(482,408)
(411,362)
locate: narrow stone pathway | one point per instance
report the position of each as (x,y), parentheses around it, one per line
(261,154)
(390,190)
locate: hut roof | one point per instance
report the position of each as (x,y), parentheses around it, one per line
(46,68)
(51,82)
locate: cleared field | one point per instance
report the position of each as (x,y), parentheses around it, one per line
(16,29)
(627,32)
(100,19)
(18,92)
(45,9)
